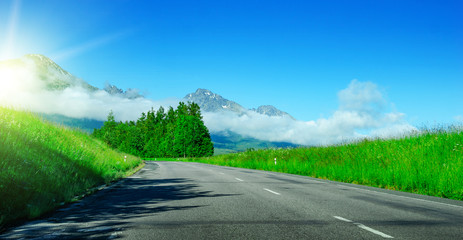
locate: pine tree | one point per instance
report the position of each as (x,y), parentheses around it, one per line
(175,133)
(109,130)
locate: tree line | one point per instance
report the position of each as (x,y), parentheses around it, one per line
(160,134)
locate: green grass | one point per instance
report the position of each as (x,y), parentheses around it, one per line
(43,165)
(162,159)
(429,162)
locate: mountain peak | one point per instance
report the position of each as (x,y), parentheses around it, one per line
(58,79)
(270,110)
(130,93)
(54,77)
(39,57)
(43,62)
(212,102)
(206,93)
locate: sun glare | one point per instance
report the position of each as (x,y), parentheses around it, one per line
(8,74)
(15,81)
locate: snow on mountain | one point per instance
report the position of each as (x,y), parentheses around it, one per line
(270,110)
(212,102)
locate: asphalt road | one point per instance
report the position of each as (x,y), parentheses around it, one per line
(173,200)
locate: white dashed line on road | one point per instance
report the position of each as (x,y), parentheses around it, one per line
(239,179)
(364,227)
(373,230)
(271,191)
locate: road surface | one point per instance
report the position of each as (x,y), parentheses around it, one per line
(175,200)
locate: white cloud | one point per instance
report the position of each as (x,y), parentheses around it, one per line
(20,88)
(361,96)
(362,111)
(362,108)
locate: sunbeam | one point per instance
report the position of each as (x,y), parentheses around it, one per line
(8,48)
(86,46)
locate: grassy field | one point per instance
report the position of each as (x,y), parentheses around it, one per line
(43,165)
(429,162)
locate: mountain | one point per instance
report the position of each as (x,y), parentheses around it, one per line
(53,78)
(130,93)
(270,110)
(212,102)
(228,141)
(58,79)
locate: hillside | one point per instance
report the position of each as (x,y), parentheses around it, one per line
(230,142)
(43,166)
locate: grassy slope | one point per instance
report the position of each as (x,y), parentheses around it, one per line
(429,163)
(43,165)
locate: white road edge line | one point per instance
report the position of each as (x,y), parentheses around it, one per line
(271,191)
(342,219)
(364,227)
(417,199)
(239,179)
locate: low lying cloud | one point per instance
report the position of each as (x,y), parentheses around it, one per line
(79,103)
(20,87)
(362,113)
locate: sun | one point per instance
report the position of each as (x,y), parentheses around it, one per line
(10,75)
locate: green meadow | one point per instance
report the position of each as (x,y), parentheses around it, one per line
(43,166)
(428,162)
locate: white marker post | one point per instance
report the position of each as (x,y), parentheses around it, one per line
(275,161)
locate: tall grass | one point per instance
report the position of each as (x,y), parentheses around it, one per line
(429,162)
(43,165)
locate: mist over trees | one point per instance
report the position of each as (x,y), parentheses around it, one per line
(162,134)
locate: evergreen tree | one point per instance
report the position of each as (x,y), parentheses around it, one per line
(175,133)
(108,133)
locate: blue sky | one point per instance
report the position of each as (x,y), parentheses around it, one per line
(295,55)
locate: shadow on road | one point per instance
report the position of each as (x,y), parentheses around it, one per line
(105,213)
